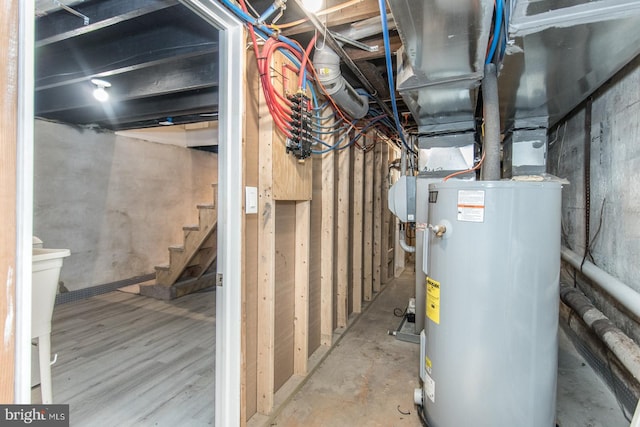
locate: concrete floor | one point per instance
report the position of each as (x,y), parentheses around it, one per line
(369,377)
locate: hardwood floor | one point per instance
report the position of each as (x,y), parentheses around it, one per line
(129,360)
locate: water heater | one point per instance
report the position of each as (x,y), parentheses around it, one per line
(492,267)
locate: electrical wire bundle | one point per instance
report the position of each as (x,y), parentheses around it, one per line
(305,123)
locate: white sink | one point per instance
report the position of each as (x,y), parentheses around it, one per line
(45,274)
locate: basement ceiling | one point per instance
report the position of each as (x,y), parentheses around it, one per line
(159,57)
(162,60)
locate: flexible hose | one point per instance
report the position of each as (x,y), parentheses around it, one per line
(387,53)
(496,32)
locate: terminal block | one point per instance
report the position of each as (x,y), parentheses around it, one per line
(301,139)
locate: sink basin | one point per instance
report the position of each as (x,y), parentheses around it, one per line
(45,274)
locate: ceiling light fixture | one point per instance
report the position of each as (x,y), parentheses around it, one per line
(313,6)
(99,92)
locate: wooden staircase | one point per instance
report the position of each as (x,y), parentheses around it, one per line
(191,265)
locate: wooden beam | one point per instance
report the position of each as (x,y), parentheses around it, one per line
(362,10)
(356,229)
(342,255)
(377,216)
(8,170)
(250,150)
(266,262)
(301,304)
(362,55)
(367,234)
(326,258)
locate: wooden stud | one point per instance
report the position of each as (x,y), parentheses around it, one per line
(326,258)
(367,234)
(377,217)
(266,263)
(249,231)
(385,216)
(342,254)
(301,305)
(8,171)
(398,253)
(356,229)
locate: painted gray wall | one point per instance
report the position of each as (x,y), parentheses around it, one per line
(615,179)
(116,202)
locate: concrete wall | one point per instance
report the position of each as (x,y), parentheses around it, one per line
(615,181)
(116,202)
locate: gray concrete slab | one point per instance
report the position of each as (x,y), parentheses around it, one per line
(369,377)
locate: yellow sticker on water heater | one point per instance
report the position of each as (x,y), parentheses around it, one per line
(433,300)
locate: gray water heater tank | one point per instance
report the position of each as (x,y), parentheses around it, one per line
(492,304)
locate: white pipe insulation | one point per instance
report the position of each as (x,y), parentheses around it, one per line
(623,294)
(327,64)
(623,347)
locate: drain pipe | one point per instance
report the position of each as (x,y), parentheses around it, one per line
(403,162)
(621,293)
(635,422)
(491,112)
(623,347)
(404,245)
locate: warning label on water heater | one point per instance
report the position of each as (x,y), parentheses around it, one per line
(471,205)
(433,300)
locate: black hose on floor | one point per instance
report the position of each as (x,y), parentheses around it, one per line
(423,420)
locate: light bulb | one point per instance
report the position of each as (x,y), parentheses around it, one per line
(312,6)
(100,94)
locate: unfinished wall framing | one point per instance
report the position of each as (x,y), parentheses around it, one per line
(303,274)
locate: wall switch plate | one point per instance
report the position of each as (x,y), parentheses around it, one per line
(251,200)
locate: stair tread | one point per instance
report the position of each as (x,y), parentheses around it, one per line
(206,206)
(177,248)
(165,267)
(194,227)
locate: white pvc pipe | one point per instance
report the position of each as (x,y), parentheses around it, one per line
(405,247)
(623,294)
(635,422)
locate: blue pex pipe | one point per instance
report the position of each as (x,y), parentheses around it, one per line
(387,53)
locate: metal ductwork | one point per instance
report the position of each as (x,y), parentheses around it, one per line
(559,52)
(441,63)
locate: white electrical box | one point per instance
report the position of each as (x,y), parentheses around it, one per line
(251,200)
(402,198)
